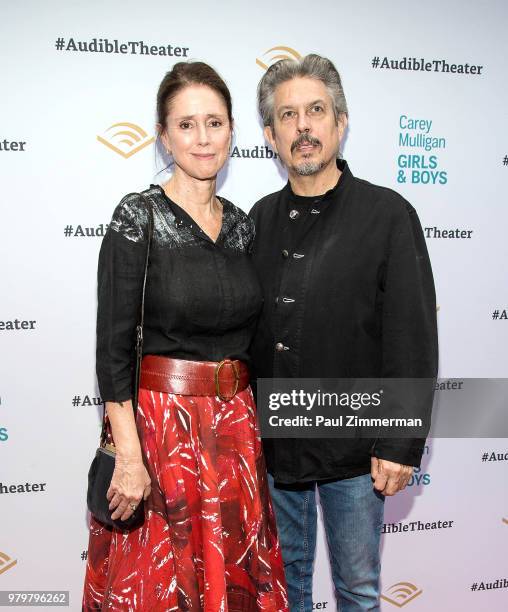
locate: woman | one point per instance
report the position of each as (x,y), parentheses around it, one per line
(208,541)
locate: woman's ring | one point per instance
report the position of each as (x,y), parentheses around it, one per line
(133,507)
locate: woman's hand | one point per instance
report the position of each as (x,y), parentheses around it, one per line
(130,482)
(129,485)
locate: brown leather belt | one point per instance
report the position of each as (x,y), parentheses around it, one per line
(223,379)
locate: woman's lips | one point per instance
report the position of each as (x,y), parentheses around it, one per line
(204,156)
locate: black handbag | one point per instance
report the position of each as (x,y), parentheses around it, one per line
(103,464)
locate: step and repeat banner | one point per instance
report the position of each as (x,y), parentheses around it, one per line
(426,86)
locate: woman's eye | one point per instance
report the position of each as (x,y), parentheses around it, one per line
(185,125)
(215,123)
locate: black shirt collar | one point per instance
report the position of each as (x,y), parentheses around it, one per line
(344,179)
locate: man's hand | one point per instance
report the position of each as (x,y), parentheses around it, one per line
(389,477)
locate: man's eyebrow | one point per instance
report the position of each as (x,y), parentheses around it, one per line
(318,101)
(289,106)
(284,107)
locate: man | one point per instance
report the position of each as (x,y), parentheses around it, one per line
(348,293)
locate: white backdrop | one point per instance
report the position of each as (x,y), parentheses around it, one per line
(58,178)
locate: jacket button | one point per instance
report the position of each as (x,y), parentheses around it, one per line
(279,347)
(294,214)
(285,253)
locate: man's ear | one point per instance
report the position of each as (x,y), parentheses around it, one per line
(269,135)
(342,125)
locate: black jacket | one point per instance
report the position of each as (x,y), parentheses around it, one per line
(359,302)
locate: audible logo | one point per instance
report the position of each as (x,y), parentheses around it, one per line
(278,53)
(401,593)
(125,138)
(6,562)
(257,152)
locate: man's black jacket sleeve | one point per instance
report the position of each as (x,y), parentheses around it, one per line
(409,326)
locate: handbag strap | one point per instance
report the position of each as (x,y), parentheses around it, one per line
(139,328)
(140,325)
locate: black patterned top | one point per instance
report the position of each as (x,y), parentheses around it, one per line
(202,297)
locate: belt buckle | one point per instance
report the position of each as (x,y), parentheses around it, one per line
(218,368)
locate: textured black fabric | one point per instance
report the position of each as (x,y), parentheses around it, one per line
(202,298)
(348,290)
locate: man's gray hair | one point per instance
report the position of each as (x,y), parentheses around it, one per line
(312,66)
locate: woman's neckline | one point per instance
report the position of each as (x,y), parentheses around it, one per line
(182,210)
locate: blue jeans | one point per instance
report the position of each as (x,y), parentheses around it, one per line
(353,519)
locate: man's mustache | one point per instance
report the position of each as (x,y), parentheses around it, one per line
(305,139)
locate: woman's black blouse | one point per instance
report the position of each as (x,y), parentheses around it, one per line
(202,298)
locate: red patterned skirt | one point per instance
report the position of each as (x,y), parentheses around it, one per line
(209,540)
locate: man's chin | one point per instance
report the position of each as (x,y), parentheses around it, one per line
(308,168)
